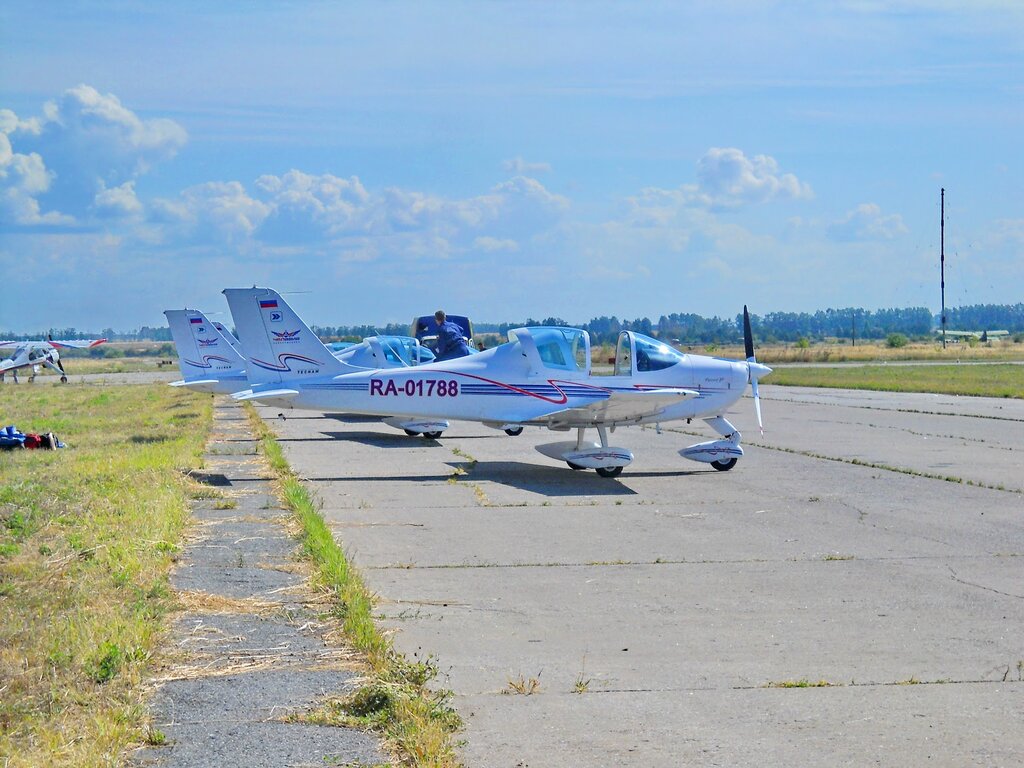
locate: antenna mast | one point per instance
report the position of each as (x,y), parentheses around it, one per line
(942,258)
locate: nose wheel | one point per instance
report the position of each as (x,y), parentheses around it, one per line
(724,466)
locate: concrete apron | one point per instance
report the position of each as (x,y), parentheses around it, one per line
(801,609)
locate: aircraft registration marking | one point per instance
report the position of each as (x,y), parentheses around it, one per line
(415,388)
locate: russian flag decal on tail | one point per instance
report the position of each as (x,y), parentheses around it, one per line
(268,304)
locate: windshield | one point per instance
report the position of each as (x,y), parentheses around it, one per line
(654,355)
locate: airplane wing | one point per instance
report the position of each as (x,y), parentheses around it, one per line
(621,407)
(77,344)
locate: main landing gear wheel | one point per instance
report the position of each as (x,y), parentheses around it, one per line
(613,471)
(63,379)
(724,466)
(432,435)
(411,433)
(514,431)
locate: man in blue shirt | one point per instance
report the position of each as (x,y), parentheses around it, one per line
(450,341)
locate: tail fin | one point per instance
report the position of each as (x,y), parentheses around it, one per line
(279,347)
(203,353)
(229,337)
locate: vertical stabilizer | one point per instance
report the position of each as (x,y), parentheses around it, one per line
(279,347)
(228,336)
(203,353)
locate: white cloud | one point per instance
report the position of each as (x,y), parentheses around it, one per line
(494,245)
(728,178)
(1007,233)
(87,144)
(22,179)
(867,222)
(117,202)
(214,213)
(306,207)
(520,166)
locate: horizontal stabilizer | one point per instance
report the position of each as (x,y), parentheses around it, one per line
(266,394)
(195,383)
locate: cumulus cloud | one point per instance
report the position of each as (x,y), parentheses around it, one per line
(305,207)
(215,212)
(87,146)
(23,177)
(342,216)
(728,178)
(117,202)
(867,222)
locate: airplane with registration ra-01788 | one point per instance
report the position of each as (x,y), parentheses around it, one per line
(210,360)
(541,377)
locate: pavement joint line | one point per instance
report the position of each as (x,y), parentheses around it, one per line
(870,464)
(902,410)
(824,559)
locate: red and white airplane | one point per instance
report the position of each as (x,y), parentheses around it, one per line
(541,377)
(37,354)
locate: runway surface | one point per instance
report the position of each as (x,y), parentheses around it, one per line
(852,593)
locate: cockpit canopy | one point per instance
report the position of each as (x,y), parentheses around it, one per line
(636,353)
(404,350)
(554,349)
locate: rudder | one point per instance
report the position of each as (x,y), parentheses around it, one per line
(277,344)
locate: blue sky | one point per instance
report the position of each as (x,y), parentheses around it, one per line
(506,160)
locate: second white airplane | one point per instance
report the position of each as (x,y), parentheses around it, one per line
(542,377)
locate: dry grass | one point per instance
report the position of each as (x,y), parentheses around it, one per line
(87,535)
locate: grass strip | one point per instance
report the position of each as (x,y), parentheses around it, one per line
(415,721)
(87,537)
(982,380)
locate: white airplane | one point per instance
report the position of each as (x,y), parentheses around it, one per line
(210,361)
(541,377)
(36,354)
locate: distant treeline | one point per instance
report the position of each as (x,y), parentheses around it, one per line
(684,328)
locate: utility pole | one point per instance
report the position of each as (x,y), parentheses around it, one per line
(942,258)
(853,328)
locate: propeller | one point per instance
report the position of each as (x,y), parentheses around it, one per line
(754,369)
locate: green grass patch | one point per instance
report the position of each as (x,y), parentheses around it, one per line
(802,683)
(87,535)
(414,720)
(983,380)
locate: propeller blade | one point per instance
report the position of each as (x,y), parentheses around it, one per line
(757,405)
(748,336)
(754,369)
